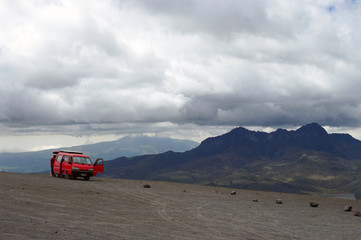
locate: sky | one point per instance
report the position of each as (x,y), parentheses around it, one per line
(76,72)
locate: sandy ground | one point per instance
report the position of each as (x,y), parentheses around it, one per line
(42,207)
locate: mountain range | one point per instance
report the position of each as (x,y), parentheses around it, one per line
(307,160)
(38,161)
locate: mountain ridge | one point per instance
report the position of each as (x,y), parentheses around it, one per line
(299,161)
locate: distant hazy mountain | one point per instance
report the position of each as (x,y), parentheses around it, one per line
(127,146)
(308,160)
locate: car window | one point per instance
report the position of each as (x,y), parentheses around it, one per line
(58,159)
(82,160)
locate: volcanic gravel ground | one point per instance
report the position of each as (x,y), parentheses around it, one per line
(36,206)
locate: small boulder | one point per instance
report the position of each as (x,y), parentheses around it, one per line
(233,193)
(279,201)
(313,204)
(348,208)
(146,186)
(255,200)
(357,213)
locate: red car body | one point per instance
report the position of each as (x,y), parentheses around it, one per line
(70,164)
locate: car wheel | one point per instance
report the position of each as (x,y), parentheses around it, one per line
(67,176)
(86,178)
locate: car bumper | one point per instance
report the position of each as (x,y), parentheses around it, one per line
(81,173)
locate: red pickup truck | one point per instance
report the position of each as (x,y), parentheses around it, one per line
(70,164)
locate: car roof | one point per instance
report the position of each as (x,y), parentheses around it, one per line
(70,153)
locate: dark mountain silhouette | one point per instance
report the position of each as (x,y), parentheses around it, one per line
(39,161)
(307,160)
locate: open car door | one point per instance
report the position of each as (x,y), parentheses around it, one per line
(98,166)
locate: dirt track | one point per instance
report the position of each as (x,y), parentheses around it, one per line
(43,207)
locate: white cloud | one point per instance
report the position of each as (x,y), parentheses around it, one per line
(70,64)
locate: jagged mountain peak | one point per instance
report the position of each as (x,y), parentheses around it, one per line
(280,132)
(310,133)
(239,130)
(312,129)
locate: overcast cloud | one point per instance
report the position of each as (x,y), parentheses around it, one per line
(184,68)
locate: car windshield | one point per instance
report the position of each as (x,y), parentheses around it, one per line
(82,160)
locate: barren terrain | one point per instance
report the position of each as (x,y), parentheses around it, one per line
(42,207)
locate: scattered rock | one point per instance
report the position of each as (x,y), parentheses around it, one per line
(146,186)
(184,190)
(255,200)
(348,208)
(357,214)
(279,201)
(233,193)
(313,204)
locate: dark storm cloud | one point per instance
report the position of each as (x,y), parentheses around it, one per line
(115,63)
(275,111)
